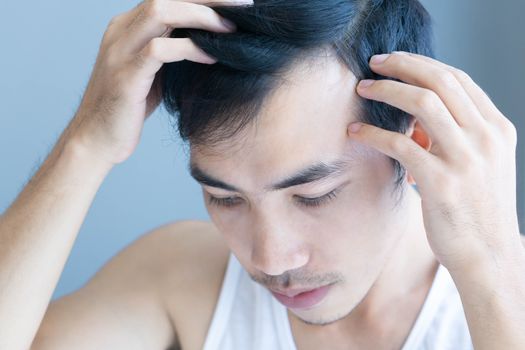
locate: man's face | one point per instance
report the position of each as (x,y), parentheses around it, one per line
(280,236)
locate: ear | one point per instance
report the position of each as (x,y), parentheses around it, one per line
(420,136)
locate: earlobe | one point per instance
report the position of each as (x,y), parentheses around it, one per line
(421,137)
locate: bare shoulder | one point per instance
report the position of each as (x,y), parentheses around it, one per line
(188,260)
(193,271)
(172,259)
(158,291)
(180,251)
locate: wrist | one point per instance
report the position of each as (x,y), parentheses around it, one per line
(87,144)
(493,296)
(492,269)
(84,157)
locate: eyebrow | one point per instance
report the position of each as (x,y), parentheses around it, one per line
(312,173)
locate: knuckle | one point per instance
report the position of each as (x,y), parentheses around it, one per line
(115,19)
(488,141)
(461,75)
(427,101)
(138,17)
(509,130)
(110,29)
(107,38)
(486,135)
(447,80)
(154,48)
(467,158)
(509,127)
(398,144)
(155,9)
(152,51)
(487,132)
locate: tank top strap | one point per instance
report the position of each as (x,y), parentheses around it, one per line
(224,304)
(432,302)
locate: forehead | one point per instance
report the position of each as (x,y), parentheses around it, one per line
(302,122)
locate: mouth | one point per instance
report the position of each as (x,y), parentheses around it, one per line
(302,298)
(291,292)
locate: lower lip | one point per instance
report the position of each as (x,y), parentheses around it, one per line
(303,300)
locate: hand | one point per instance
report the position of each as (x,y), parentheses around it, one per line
(467,179)
(123,90)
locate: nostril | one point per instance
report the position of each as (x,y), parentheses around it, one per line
(273,264)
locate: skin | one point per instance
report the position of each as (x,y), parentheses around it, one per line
(472,163)
(359,240)
(120,96)
(458,143)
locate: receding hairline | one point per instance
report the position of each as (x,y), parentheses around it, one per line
(238,141)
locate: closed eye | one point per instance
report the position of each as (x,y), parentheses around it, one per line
(229,202)
(318,201)
(224,202)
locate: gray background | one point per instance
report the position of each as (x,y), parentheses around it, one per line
(49,49)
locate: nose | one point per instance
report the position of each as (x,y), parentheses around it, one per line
(275,251)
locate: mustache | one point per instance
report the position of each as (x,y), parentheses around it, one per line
(292,279)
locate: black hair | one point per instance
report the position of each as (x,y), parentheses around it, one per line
(211,103)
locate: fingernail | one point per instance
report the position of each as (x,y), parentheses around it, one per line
(355,127)
(229,24)
(376,59)
(363,84)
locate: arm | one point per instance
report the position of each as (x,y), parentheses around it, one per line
(36,235)
(122,306)
(38,230)
(493,298)
(146,296)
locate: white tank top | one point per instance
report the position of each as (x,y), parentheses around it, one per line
(247,316)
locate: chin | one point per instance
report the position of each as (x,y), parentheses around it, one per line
(324,315)
(324,320)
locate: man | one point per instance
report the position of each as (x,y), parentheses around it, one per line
(305,206)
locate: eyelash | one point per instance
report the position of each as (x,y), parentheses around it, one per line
(307,202)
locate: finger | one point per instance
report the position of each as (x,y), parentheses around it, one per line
(157,18)
(433,77)
(418,162)
(479,97)
(165,50)
(425,105)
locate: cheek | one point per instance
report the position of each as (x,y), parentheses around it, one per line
(233,226)
(357,228)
